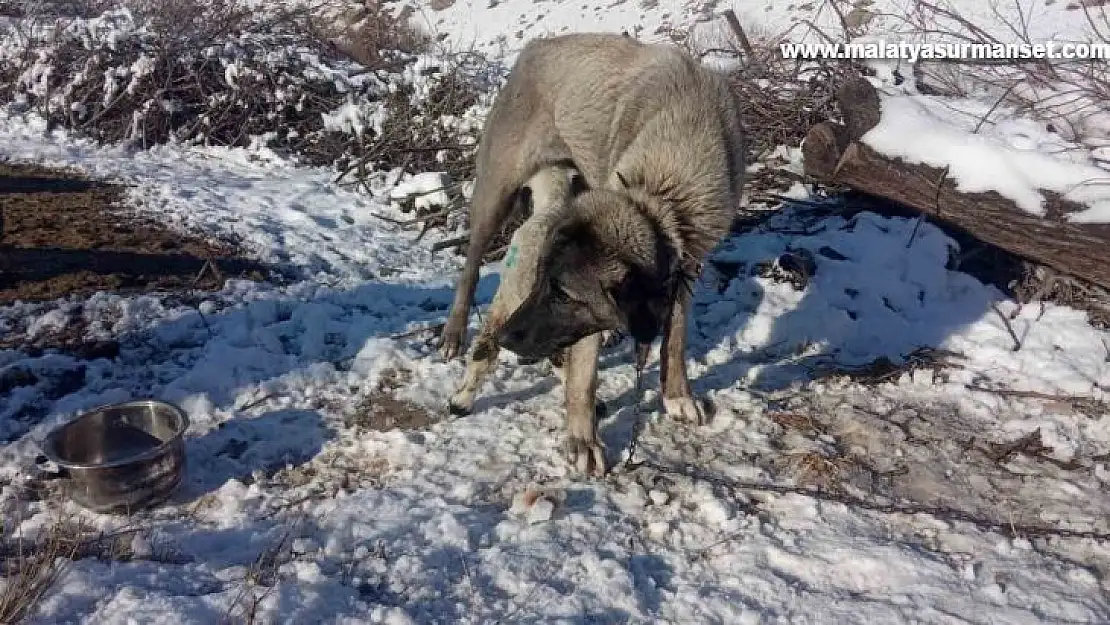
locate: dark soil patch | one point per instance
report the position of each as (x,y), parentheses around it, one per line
(382,411)
(62,234)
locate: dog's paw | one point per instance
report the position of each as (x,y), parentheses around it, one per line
(450,349)
(586,456)
(450,341)
(611,338)
(688,409)
(461,403)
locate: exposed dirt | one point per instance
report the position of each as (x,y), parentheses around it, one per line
(62,234)
(382,411)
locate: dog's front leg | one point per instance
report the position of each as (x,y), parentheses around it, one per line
(678,400)
(584,450)
(483,356)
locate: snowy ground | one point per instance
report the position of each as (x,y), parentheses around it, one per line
(932,523)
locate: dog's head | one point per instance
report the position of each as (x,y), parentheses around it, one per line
(606,266)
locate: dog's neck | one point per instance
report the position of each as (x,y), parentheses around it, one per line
(654,208)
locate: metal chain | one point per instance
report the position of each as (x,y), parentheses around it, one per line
(637,426)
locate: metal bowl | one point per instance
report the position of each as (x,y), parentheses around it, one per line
(121,457)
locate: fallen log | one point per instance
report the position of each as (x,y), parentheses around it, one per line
(833,154)
(1076,249)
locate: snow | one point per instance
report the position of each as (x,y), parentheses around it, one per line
(1018,159)
(426,190)
(293,510)
(353,118)
(284,214)
(425,528)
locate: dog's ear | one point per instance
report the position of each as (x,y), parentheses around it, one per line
(570,231)
(666,262)
(640,305)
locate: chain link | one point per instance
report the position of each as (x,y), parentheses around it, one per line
(640,353)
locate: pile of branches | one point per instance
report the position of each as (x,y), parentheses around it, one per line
(1071,95)
(216,72)
(430,126)
(781,98)
(784,98)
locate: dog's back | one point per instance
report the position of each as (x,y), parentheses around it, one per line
(648,111)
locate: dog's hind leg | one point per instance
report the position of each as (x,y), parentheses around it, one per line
(584,450)
(678,400)
(492,206)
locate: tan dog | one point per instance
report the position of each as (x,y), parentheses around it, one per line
(658,139)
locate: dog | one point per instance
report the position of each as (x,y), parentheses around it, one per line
(544,198)
(659,142)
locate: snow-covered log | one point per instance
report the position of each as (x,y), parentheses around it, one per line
(833,154)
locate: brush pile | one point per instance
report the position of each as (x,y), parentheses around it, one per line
(223,73)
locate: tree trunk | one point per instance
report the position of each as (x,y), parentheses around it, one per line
(1077,249)
(832,154)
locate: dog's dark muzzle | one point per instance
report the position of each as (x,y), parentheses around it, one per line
(533,345)
(543,326)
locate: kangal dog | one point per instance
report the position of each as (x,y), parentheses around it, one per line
(658,141)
